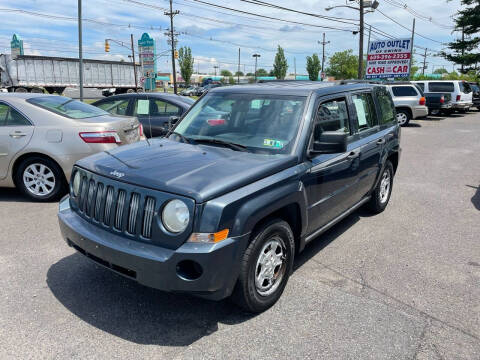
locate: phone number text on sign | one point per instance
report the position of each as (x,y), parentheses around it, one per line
(395,56)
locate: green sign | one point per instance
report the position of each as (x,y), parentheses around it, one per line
(146,49)
(16,46)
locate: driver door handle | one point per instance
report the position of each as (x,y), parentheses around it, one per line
(381,141)
(17,134)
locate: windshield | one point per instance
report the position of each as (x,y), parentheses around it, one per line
(261,123)
(67,107)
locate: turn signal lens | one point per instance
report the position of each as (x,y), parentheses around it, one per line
(209,237)
(422,100)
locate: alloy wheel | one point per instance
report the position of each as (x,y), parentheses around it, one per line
(385,184)
(39,179)
(270,267)
(402,118)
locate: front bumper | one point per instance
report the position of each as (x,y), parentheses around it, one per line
(155,266)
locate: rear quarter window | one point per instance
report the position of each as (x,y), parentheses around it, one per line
(465,88)
(441,87)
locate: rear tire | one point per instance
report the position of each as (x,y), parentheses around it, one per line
(41,179)
(403,117)
(382,192)
(266,267)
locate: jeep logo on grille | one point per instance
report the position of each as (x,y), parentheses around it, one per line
(117,174)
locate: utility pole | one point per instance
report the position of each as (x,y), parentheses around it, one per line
(238,70)
(360,42)
(295,67)
(411,50)
(424,61)
(323,43)
(133,61)
(80,49)
(172,40)
(256,56)
(463,49)
(215,67)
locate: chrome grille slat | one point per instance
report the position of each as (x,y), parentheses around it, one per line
(108,205)
(98,201)
(120,205)
(132,217)
(148,213)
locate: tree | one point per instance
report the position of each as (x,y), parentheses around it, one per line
(262,72)
(231,80)
(225,73)
(239,73)
(343,65)
(185,60)
(464,51)
(250,74)
(441,71)
(313,67)
(280,65)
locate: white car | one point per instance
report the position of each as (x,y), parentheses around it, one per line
(461,92)
(409,101)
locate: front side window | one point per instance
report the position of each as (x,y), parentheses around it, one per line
(67,107)
(404,91)
(116,107)
(365,109)
(333,116)
(261,123)
(441,86)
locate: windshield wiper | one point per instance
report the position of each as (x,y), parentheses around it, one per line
(229,144)
(184,139)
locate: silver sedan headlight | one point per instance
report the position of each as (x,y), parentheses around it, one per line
(76,184)
(175,216)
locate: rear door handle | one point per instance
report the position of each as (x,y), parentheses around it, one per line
(17,134)
(381,141)
(353,155)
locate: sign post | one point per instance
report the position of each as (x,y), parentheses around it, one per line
(146,49)
(389,59)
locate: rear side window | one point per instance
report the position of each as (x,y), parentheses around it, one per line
(11,117)
(67,107)
(386,107)
(117,107)
(465,87)
(441,87)
(365,109)
(404,91)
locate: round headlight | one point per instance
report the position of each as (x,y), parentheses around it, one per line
(76,184)
(175,216)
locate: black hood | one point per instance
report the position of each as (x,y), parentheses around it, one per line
(199,171)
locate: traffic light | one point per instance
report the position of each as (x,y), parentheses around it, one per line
(176,54)
(107,46)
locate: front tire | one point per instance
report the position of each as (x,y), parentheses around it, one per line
(266,267)
(40,179)
(382,192)
(403,117)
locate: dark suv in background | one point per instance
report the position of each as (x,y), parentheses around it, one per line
(245,180)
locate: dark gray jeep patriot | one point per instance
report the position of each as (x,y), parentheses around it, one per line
(247,177)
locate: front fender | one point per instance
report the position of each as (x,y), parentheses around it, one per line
(240,210)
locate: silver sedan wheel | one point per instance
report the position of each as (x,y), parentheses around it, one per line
(402,118)
(39,179)
(270,268)
(385,186)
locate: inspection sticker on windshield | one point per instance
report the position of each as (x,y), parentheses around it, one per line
(273,143)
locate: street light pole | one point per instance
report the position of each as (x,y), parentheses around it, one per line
(360,42)
(80,49)
(256,56)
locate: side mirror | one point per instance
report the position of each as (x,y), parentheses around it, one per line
(172,121)
(330,142)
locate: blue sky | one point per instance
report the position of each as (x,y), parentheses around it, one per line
(216,34)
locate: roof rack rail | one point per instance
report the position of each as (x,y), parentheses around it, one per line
(355,81)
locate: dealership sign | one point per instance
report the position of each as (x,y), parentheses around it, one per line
(389,59)
(146,48)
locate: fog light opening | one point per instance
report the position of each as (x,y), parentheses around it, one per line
(189,270)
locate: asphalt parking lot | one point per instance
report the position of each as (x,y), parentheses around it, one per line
(401,285)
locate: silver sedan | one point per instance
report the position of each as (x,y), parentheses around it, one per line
(42,136)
